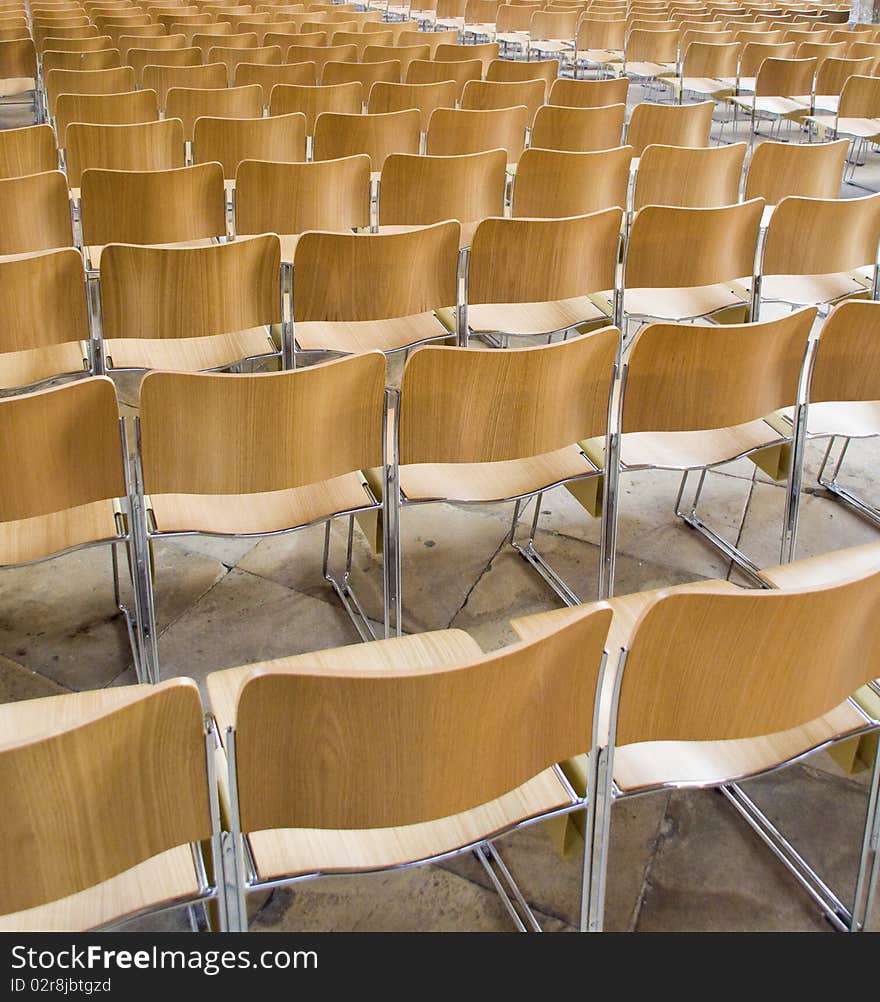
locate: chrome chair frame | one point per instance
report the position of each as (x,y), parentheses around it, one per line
(840,493)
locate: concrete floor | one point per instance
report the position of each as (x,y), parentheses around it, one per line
(680,861)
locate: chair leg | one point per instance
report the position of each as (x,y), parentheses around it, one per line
(488,855)
(599,839)
(869,859)
(841,494)
(144,591)
(131,617)
(534,558)
(343,587)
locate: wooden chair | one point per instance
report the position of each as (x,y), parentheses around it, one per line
(269,76)
(162,79)
(140,59)
(857,118)
(139,31)
(267,55)
(422,71)
(147,146)
(831,78)
(342,99)
(366,74)
(127,108)
(588,93)
(35,210)
(696,177)
(30,150)
(100,59)
(212,475)
(388,97)
(186,205)
(552,32)
(378,136)
(286,39)
(45,332)
(191,103)
(554,184)
(599,44)
(404,54)
(452,132)
(578,130)
(245,40)
(777,83)
(488,95)
(66,484)
(272,769)
(448,53)
(510,71)
(669,125)
(754,53)
(650,54)
(418,191)
(133,842)
(820,250)
(351,309)
(708,70)
(190,30)
(691,693)
(228,141)
(397,28)
(309,27)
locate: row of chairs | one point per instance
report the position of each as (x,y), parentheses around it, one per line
(132,800)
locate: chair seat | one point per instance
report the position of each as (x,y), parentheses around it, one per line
(532,318)
(650,70)
(677,304)
(92,253)
(779,107)
(550,45)
(850,418)
(273,511)
(742,85)
(16,86)
(600,56)
(826,569)
(170,876)
(513,37)
(191,354)
(368,335)
(804,290)
(26,539)
(702,85)
(825,102)
(464,240)
(23,368)
(858,128)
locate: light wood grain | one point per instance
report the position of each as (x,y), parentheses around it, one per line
(554,184)
(321,55)
(673,175)
(158,42)
(485,95)
(190,103)
(162,78)
(366,73)
(404,54)
(755,52)
(421,71)
(511,71)
(148,146)
(860,98)
(267,55)
(36,213)
(377,136)
(811,170)
(360,41)
(127,108)
(312,39)
(452,132)
(228,141)
(388,97)
(287,99)
(669,125)
(268,76)
(433,38)
(450,52)
(116,81)
(578,130)
(826,569)
(101,59)
(588,93)
(244,40)
(141,58)
(397,28)
(847,363)
(30,150)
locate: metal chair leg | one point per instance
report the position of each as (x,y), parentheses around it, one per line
(343,587)
(841,494)
(534,558)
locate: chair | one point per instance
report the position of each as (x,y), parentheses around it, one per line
(360,41)
(599,43)
(57,82)
(228,141)
(485,52)
(776,81)
(418,191)
(206,42)
(272,768)
(554,184)
(865,50)
(35,210)
(30,150)
(100,59)
(139,59)
(45,332)
(402,54)
(141,147)
(357,306)
(452,132)
(366,74)
(831,78)
(588,93)
(190,29)
(162,79)
(689,176)
(487,95)
(810,170)
(669,125)
(397,28)
(691,693)
(287,99)
(128,108)
(66,484)
(134,811)
(270,75)
(285,39)
(151,207)
(820,250)
(510,71)
(578,130)
(754,53)
(857,118)
(203,468)
(340,135)
(650,54)
(707,71)
(388,97)
(191,103)
(421,71)
(552,31)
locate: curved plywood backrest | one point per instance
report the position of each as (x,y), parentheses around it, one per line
(684,377)
(359,40)
(162,78)
(739,675)
(510,71)
(405,54)
(320,55)
(669,125)
(754,54)
(785,77)
(551,183)
(847,363)
(101,59)
(313,101)
(190,103)
(265,55)
(833,73)
(366,73)
(811,170)
(386,97)
(422,71)
(201,433)
(268,76)
(578,130)
(30,150)
(860,98)
(147,146)
(115,81)
(450,52)
(293,198)
(95,797)
(711,59)
(605,34)
(481,406)
(689,176)
(418,272)
(158,42)
(141,58)
(484,95)
(228,141)
(60,448)
(452,132)
(35,210)
(127,108)
(310,755)
(433,38)
(376,135)
(588,93)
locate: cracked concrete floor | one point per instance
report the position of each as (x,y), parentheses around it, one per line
(679,861)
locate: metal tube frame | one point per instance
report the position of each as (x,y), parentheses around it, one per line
(842,494)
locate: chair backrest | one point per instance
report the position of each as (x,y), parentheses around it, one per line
(191,103)
(860,98)
(404,54)
(162,78)
(285,39)
(388,97)
(588,93)
(669,125)
(43,300)
(286,99)
(139,59)
(689,176)
(646,45)
(321,55)
(420,190)
(433,38)
(554,25)
(672,247)
(833,73)
(228,141)
(739,675)
(366,73)
(711,59)
(99,792)
(129,108)
(115,81)
(513,71)
(244,40)
(553,184)
(785,77)
(821,51)
(378,136)
(450,52)
(422,71)
(863,50)
(266,55)
(100,59)
(687,377)
(293,198)
(158,42)
(847,365)
(543,260)
(200,434)
(601,34)
(375,276)
(359,40)
(754,55)
(400,777)
(452,131)
(147,146)
(269,75)
(484,95)
(60,449)
(30,150)
(153,207)
(578,130)
(811,170)
(35,210)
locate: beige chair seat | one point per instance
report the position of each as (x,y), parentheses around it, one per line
(368,335)
(702,85)
(513,37)
(191,354)
(486,28)
(847,418)
(781,107)
(259,513)
(859,128)
(825,569)
(821,102)
(550,45)
(16,86)
(742,85)
(648,69)
(807,289)
(678,304)
(41,536)
(23,368)
(465,240)
(533,318)
(92,253)
(600,56)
